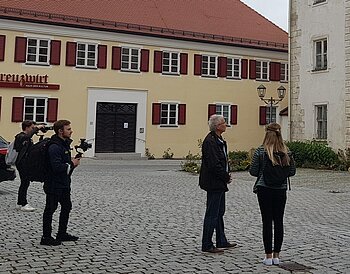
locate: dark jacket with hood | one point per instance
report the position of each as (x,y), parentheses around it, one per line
(214,175)
(60,165)
(23,142)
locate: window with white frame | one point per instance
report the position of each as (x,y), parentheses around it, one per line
(320,54)
(224,110)
(35,109)
(38,51)
(86,55)
(168,115)
(209,65)
(273,116)
(130,59)
(171,62)
(234,67)
(262,70)
(321,121)
(284,72)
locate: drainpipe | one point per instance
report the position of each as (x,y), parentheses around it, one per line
(289,71)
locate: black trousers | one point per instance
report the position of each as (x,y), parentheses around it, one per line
(23,188)
(61,196)
(272,203)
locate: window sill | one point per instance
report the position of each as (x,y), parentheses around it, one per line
(168,126)
(130,70)
(319,70)
(38,64)
(234,78)
(209,76)
(262,80)
(170,74)
(90,68)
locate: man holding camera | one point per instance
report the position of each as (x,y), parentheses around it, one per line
(23,141)
(58,185)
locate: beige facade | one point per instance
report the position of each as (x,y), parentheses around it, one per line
(81,90)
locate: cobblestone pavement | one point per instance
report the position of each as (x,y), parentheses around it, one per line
(146,217)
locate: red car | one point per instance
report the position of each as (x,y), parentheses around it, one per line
(6,172)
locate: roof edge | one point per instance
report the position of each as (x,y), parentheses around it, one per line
(74,21)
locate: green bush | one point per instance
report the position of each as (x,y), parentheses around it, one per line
(313,155)
(168,154)
(192,163)
(239,160)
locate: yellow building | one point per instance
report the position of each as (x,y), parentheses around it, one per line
(132,75)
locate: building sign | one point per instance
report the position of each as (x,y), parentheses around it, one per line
(8,80)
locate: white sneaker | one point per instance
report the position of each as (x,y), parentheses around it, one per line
(18,207)
(276,261)
(27,208)
(267,261)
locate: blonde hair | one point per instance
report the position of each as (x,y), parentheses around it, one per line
(273,142)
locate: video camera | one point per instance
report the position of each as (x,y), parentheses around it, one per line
(46,129)
(82,147)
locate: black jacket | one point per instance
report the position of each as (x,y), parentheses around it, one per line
(22,143)
(214,174)
(60,165)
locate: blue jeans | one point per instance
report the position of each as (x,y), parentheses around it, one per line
(213,219)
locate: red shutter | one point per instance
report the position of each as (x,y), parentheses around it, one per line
(234,114)
(0,105)
(144,60)
(71,53)
(222,67)
(272,71)
(262,115)
(157,66)
(211,110)
(116,58)
(244,69)
(2,47)
(252,69)
(17,109)
(183,63)
(102,56)
(197,64)
(278,71)
(20,49)
(182,114)
(52,109)
(156,113)
(55,52)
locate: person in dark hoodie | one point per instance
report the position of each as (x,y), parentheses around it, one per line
(58,185)
(214,177)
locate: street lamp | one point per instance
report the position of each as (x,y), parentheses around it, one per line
(281,93)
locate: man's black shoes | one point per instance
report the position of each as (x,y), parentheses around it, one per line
(49,241)
(228,245)
(66,238)
(213,250)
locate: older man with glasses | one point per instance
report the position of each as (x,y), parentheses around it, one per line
(214,177)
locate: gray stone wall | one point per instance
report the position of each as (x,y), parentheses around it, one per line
(347,73)
(297,124)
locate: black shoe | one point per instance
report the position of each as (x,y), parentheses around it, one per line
(66,238)
(49,241)
(228,245)
(213,250)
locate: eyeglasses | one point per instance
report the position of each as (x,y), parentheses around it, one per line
(222,123)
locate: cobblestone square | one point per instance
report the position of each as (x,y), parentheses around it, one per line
(146,217)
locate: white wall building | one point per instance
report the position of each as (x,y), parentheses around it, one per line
(320,71)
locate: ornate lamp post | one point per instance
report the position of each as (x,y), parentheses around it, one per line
(281,93)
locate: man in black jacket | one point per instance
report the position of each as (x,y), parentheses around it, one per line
(58,185)
(23,141)
(214,177)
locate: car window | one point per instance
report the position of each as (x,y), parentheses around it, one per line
(3,142)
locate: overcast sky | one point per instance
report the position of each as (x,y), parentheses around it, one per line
(274,10)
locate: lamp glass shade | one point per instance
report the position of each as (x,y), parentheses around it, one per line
(261,91)
(281,91)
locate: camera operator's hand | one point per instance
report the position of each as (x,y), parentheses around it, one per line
(40,126)
(76,162)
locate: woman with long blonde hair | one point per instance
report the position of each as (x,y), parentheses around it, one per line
(272,156)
